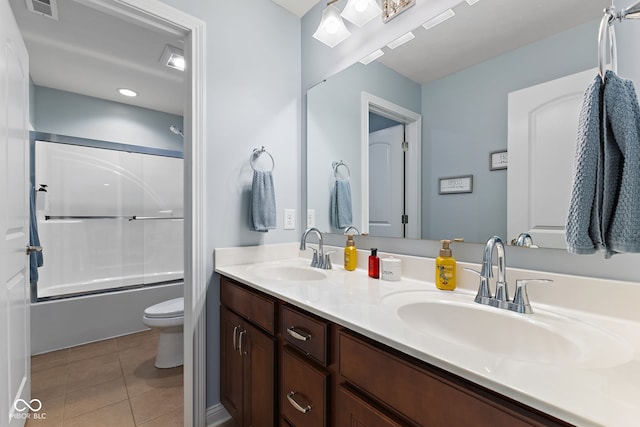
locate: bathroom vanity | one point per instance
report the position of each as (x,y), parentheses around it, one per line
(307,347)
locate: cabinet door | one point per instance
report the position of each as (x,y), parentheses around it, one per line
(258,351)
(231,364)
(352,411)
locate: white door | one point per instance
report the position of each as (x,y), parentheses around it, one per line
(14,226)
(542,129)
(386,182)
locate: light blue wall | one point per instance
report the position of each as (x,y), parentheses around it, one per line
(70,114)
(465,118)
(252,99)
(334,123)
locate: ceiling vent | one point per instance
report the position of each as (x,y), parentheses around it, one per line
(48,8)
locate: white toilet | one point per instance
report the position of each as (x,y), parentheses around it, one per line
(168,318)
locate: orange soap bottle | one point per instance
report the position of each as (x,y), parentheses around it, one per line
(445,268)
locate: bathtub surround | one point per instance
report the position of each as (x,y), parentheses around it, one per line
(74,321)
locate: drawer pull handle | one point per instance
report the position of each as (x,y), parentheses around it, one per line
(296,405)
(298,334)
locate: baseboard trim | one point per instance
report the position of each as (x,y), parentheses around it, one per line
(217,415)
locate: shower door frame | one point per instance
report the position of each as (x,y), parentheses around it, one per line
(157,15)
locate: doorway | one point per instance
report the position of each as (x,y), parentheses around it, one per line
(407,218)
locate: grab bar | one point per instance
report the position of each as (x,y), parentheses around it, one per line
(145,218)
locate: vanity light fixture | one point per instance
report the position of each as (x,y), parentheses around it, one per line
(127,92)
(371,57)
(172,57)
(359,12)
(331,30)
(401,40)
(439,19)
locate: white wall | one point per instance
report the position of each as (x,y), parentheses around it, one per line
(253,99)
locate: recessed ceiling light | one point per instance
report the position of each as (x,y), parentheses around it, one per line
(401,40)
(127,92)
(439,19)
(371,57)
(172,57)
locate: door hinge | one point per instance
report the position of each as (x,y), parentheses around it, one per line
(405,219)
(405,146)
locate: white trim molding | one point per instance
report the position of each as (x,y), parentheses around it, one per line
(217,416)
(413,183)
(160,16)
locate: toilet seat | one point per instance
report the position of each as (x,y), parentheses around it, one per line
(172,308)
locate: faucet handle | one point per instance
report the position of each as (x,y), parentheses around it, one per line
(326,264)
(314,260)
(520,302)
(484,293)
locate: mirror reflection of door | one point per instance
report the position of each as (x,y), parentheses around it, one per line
(386,177)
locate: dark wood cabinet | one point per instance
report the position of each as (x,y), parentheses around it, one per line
(247,362)
(281,365)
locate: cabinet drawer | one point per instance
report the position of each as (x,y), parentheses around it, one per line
(305,332)
(252,306)
(351,410)
(421,395)
(303,392)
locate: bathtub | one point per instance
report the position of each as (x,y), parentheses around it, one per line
(67,322)
(109,284)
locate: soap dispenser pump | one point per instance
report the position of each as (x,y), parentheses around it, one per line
(445,268)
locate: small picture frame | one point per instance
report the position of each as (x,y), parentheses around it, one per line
(498,160)
(455,184)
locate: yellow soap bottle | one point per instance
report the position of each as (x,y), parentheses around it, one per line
(350,254)
(445,268)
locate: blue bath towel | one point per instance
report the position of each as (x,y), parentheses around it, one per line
(340,207)
(605,201)
(35,258)
(262,215)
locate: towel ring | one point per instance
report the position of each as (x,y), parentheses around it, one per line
(607,31)
(257,152)
(336,165)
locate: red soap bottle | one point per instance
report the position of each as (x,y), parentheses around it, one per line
(374,264)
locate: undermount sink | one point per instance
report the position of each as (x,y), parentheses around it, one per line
(289,273)
(541,337)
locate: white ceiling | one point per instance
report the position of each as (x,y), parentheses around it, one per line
(92,53)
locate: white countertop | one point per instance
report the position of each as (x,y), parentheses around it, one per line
(604,391)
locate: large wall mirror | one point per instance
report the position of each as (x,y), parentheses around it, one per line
(448,95)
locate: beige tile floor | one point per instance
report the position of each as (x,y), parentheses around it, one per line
(107,383)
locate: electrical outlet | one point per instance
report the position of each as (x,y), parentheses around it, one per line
(289,219)
(311,218)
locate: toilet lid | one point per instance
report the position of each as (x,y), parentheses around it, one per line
(171,308)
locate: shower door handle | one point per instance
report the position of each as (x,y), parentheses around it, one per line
(33,249)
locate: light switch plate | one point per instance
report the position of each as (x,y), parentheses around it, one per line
(289,219)
(311,218)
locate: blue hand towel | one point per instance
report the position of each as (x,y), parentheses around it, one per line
(263,202)
(340,206)
(583,230)
(35,258)
(606,183)
(621,163)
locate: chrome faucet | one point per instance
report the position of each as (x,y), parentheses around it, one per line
(523,239)
(351,227)
(320,259)
(520,301)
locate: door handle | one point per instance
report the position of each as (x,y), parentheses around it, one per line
(242,334)
(33,249)
(235,337)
